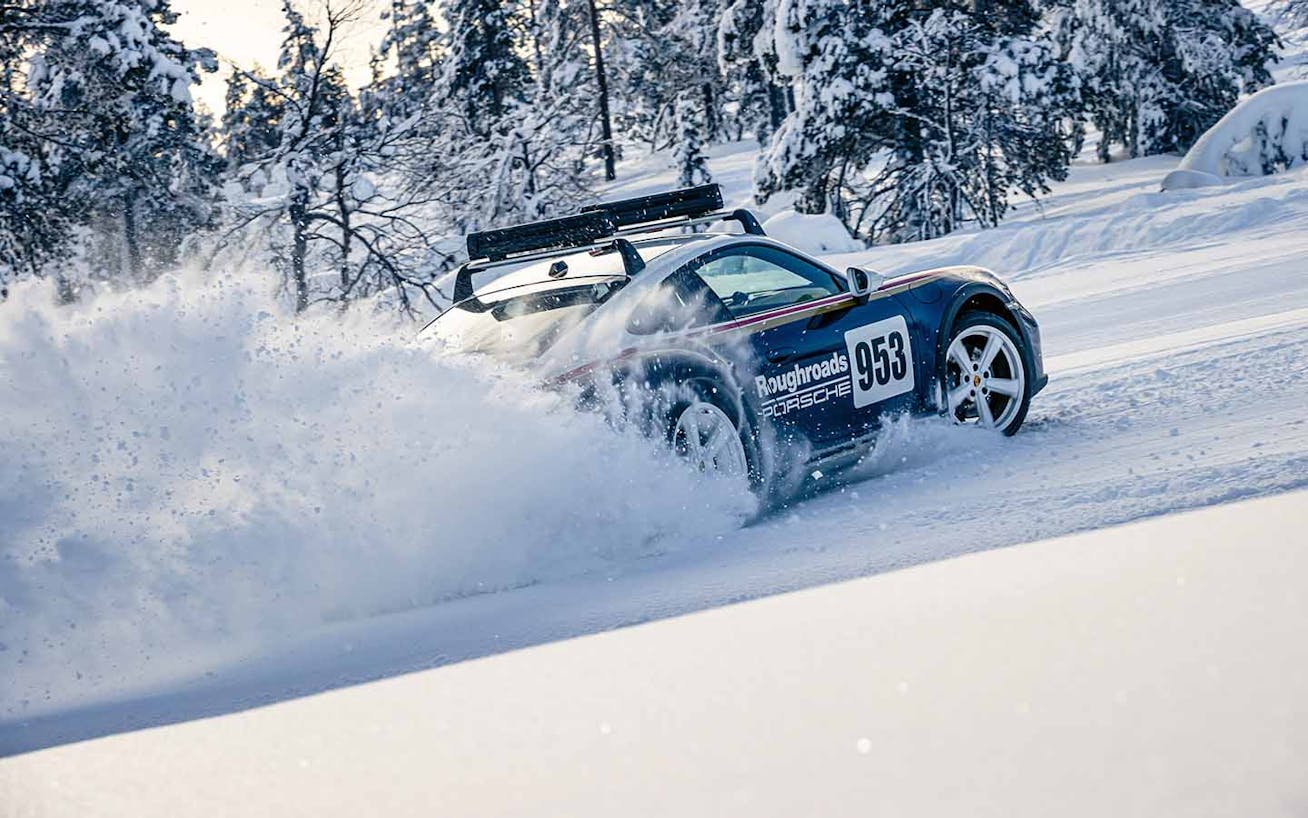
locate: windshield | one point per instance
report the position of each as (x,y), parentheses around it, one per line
(521,322)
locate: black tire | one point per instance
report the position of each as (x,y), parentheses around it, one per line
(975,318)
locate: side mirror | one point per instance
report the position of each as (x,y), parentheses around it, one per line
(863,282)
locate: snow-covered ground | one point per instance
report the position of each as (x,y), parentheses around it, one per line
(1156,669)
(247,513)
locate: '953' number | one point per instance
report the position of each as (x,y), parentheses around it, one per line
(882,354)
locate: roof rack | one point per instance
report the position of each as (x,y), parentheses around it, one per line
(598,227)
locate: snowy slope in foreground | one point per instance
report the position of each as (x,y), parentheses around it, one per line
(1155,669)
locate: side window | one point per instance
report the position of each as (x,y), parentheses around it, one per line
(681,301)
(757,278)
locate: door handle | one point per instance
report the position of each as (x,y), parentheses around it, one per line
(781,355)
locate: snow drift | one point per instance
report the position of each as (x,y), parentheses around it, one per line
(187,465)
(1265,133)
(821,233)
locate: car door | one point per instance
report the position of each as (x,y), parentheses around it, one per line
(825,366)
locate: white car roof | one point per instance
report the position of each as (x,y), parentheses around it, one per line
(533,276)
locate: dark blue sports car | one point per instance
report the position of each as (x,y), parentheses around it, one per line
(748,355)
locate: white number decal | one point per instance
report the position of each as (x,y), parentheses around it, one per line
(882,358)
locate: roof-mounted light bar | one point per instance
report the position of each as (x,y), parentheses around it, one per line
(688,202)
(569,231)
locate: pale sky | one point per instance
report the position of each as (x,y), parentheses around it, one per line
(246,32)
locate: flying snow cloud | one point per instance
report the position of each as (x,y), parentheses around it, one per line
(187,465)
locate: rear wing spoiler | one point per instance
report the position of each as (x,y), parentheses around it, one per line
(598,227)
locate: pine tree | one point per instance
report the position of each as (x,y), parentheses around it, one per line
(527,161)
(107,99)
(531,165)
(252,116)
(35,222)
(35,218)
(560,35)
(607,146)
(691,40)
(485,74)
(666,50)
(1158,73)
(912,119)
(838,58)
(415,44)
(748,59)
(980,110)
(692,168)
(578,123)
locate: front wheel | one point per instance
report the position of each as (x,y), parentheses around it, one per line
(985,379)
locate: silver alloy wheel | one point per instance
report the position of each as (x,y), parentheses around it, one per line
(985,380)
(706,437)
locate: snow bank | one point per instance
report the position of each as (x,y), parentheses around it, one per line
(1265,133)
(1182,179)
(815,234)
(188,467)
(1155,669)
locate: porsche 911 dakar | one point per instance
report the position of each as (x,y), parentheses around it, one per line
(746,355)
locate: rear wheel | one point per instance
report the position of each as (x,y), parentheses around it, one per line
(708,439)
(986,381)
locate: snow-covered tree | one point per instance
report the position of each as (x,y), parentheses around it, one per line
(35,219)
(560,43)
(637,58)
(692,168)
(838,57)
(321,192)
(504,140)
(408,60)
(35,224)
(691,67)
(571,77)
(979,112)
(252,118)
(665,50)
(748,61)
(913,118)
(485,74)
(1156,74)
(531,165)
(101,92)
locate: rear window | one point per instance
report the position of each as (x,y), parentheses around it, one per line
(521,323)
